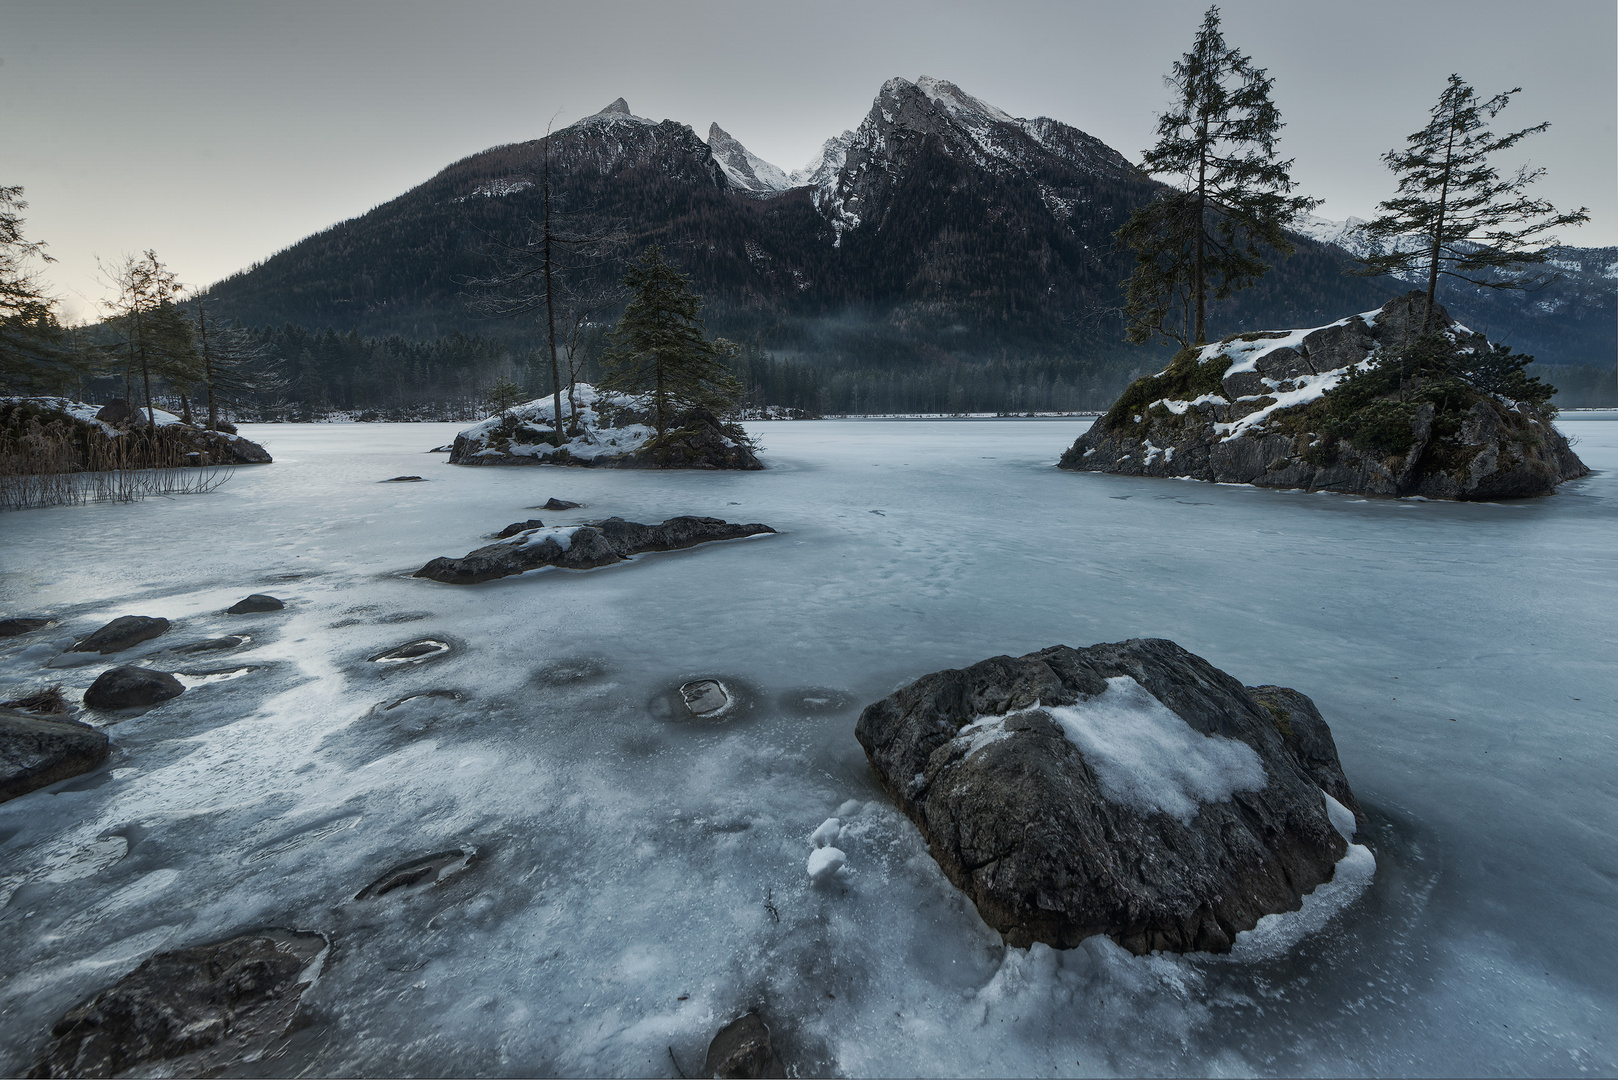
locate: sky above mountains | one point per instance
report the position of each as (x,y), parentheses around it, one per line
(219,134)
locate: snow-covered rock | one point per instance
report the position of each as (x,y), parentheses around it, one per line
(584,547)
(118,419)
(1130,790)
(603,429)
(1243,411)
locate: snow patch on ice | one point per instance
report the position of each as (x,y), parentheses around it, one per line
(824,864)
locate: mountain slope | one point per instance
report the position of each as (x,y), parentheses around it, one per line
(940,230)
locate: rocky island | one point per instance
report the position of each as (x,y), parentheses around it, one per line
(1365,405)
(119,435)
(605,430)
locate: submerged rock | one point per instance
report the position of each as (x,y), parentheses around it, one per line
(256,603)
(131,688)
(560,504)
(39,750)
(19,627)
(582,547)
(1257,409)
(740,1049)
(405,480)
(1132,790)
(705,697)
(198,1010)
(218,644)
(122,633)
(427,870)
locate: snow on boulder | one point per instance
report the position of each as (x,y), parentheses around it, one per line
(603,429)
(1130,790)
(1258,408)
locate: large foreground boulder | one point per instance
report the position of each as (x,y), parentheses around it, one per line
(582,547)
(1333,409)
(1132,790)
(605,429)
(40,750)
(197,1010)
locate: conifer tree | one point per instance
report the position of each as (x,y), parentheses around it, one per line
(34,354)
(144,310)
(1231,200)
(1454,214)
(661,347)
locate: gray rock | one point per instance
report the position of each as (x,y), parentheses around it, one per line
(19,627)
(560,504)
(122,633)
(120,414)
(1021,821)
(40,750)
(1284,363)
(740,1049)
(197,1010)
(405,480)
(596,543)
(218,644)
(1333,347)
(518,527)
(256,603)
(1308,740)
(131,688)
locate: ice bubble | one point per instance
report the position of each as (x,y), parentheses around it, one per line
(826,834)
(824,862)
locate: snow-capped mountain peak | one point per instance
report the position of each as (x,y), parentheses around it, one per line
(826,163)
(742,167)
(958,103)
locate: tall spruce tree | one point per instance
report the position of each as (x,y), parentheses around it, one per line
(1455,216)
(143,310)
(1230,200)
(661,346)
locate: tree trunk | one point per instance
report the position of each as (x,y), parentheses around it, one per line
(207,368)
(1438,229)
(550,309)
(1199,336)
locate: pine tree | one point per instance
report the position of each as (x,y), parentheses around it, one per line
(235,368)
(661,347)
(143,310)
(1219,140)
(34,352)
(1454,214)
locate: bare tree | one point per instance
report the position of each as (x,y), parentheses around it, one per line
(530,273)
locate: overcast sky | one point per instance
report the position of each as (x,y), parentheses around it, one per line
(219,133)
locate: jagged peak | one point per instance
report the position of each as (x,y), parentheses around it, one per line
(616,112)
(958,102)
(745,169)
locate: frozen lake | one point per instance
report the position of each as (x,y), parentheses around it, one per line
(620,904)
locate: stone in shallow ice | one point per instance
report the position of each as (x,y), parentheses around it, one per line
(705,697)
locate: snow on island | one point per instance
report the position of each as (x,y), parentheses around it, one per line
(1257,409)
(117,419)
(603,429)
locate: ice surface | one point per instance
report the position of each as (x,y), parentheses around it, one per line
(627,867)
(1149,759)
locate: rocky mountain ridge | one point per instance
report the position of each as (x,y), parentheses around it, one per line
(939,230)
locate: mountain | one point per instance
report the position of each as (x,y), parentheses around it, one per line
(938,242)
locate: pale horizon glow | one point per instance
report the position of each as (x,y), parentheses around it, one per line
(219,135)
